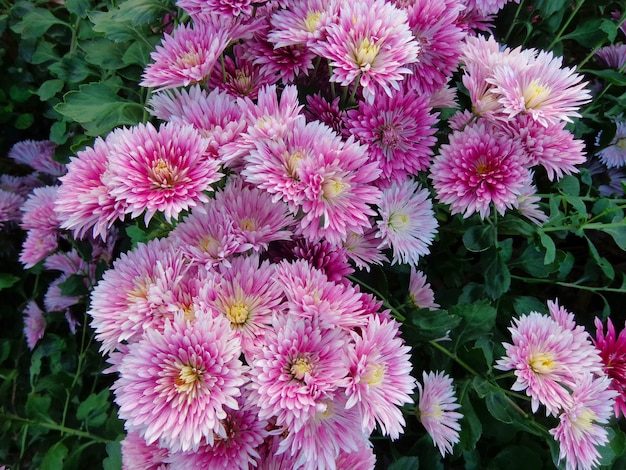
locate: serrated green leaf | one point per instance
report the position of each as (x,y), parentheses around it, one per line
(78,7)
(479,238)
(113,461)
(98,109)
(45,52)
(431,324)
(478,318)
(49,88)
(497,277)
(7,280)
(38,407)
(71,69)
(35,23)
(94,410)
(54,458)
(138,53)
(128,21)
(104,53)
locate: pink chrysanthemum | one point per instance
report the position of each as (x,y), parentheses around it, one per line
(169,104)
(527,205)
(298,370)
(551,146)
(34,324)
(10,204)
(237,450)
(202,8)
(304,22)
(363,458)
(38,154)
(83,200)
(437,403)
(54,300)
(138,455)
(175,384)
(479,167)
(399,131)
(318,109)
(539,87)
(370,44)
(38,210)
(122,306)
(612,56)
(580,432)
(363,249)
(420,292)
(20,185)
(38,245)
(612,350)
(548,354)
(435,25)
(187,56)
(614,156)
(164,170)
(243,295)
(332,261)
(379,378)
(407,222)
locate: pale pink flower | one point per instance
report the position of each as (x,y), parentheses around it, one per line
(379,379)
(37,246)
(138,455)
(363,458)
(370,44)
(612,350)
(304,22)
(34,324)
(399,131)
(408,223)
(202,8)
(580,432)
(38,154)
(437,405)
(187,56)
(614,155)
(38,210)
(175,385)
(479,166)
(159,170)
(527,205)
(363,249)
(169,104)
(420,291)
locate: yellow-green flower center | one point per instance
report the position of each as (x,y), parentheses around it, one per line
(188,378)
(542,363)
(312,21)
(365,54)
(237,313)
(535,94)
(375,373)
(300,367)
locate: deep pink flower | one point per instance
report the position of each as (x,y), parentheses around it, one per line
(580,431)
(175,384)
(408,223)
(332,261)
(399,131)
(379,378)
(479,166)
(437,405)
(612,350)
(187,56)
(34,324)
(202,8)
(164,170)
(318,109)
(370,44)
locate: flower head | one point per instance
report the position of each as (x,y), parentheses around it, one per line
(34,324)
(420,292)
(437,405)
(38,154)
(612,350)
(614,155)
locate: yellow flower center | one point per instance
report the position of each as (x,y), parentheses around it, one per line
(398,221)
(535,94)
(375,373)
(312,21)
(621,143)
(292,163)
(300,367)
(162,175)
(435,412)
(208,244)
(247,224)
(585,419)
(333,187)
(189,59)
(238,313)
(542,363)
(187,379)
(365,54)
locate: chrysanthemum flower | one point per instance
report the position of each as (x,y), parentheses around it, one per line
(138,455)
(363,458)
(164,170)
(408,222)
(121,307)
(363,249)
(379,378)
(175,384)
(34,324)
(399,131)
(552,146)
(38,244)
(187,56)
(10,204)
(612,56)
(527,205)
(548,354)
(202,8)
(612,350)
(298,370)
(38,210)
(370,43)
(54,300)
(332,261)
(38,154)
(479,166)
(614,156)
(580,431)
(236,450)
(420,292)
(168,104)
(83,200)
(435,26)
(437,403)
(20,185)
(304,22)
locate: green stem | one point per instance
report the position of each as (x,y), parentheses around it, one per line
(454,357)
(557,38)
(571,285)
(54,427)
(386,304)
(514,22)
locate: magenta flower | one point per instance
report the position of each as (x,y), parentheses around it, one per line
(379,379)
(332,261)
(164,170)
(399,131)
(329,113)
(370,44)
(437,405)
(175,385)
(612,350)
(34,324)
(187,56)
(580,431)
(479,166)
(420,291)
(407,222)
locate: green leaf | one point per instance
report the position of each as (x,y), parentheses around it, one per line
(478,319)
(78,7)
(54,458)
(113,461)
(35,23)
(532,261)
(548,244)
(569,185)
(124,23)
(24,121)
(7,280)
(37,407)
(610,76)
(104,53)
(431,324)
(138,53)
(73,286)
(523,305)
(471,427)
(71,69)
(136,235)
(497,277)
(613,448)
(58,133)
(516,457)
(602,262)
(618,233)
(479,238)
(45,52)
(94,410)
(405,463)
(503,410)
(49,88)
(588,33)
(98,109)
